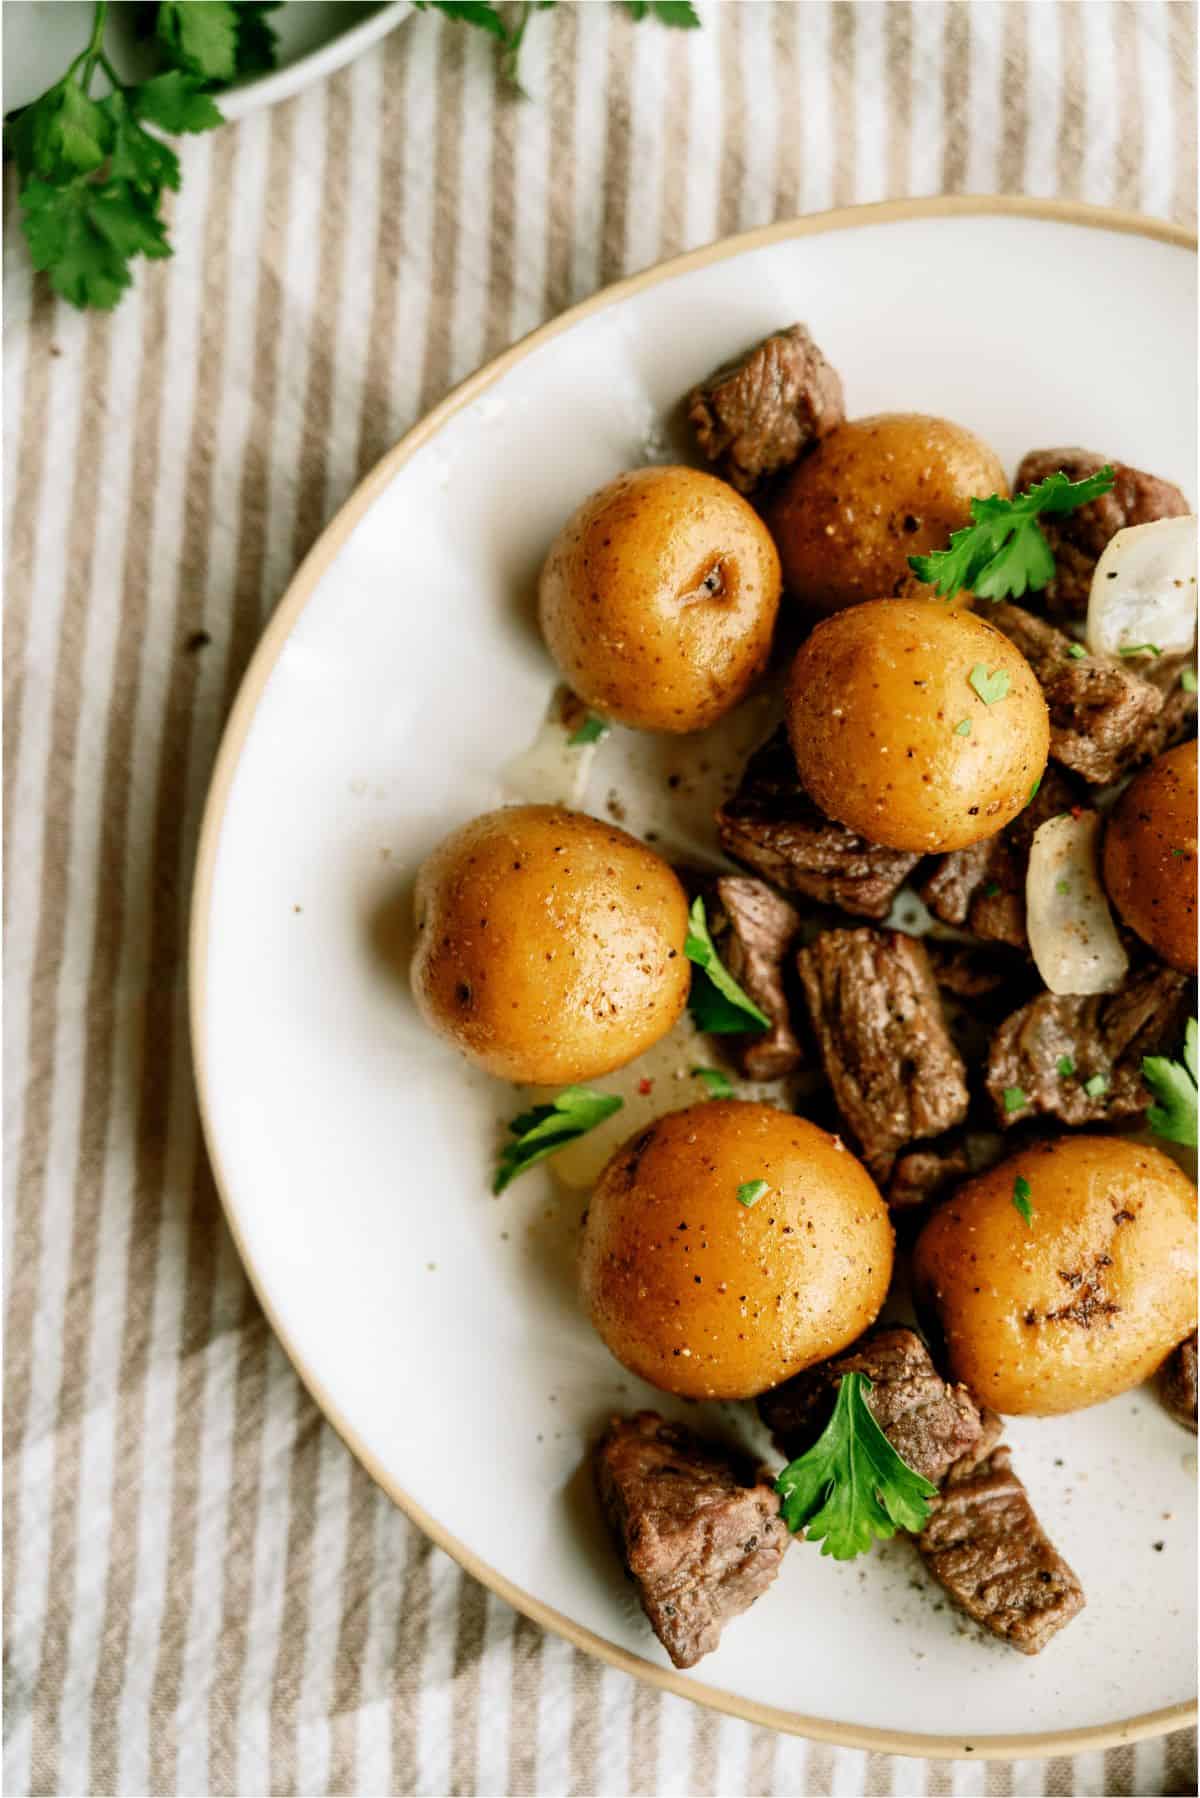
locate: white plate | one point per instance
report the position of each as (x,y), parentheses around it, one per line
(438,1327)
(315,38)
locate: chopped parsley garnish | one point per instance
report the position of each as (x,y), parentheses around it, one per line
(851,1487)
(750,1192)
(991,684)
(1140,649)
(1022,1194)
(1063,887)
(1066,1066)
(546,1128)
(1187,680)
(1173,1084)
(719,1085)
(1014,1098)
(1077,651)
(963,728)
(590,731)
(1002,553)
(1098,1084)
(717,1002)
(991,889)
(1033,791)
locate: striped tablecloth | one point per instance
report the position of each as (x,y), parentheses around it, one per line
(202,1591)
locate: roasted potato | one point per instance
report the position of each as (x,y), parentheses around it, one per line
(1084,1300)
(549,945)
(704,1295)
(919,726)
(658,599)
(1150,856)
(874,492)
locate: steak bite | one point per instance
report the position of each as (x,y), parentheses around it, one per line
(986,1547)
(923,1173)
(1078,538)
(982,887)
(1100,708)
(1177,1383)
(1177,719)
(772,826)
(930,1424)
(698,1529)
(759,413)
(1102,1038)
(895,1073)
(754,931)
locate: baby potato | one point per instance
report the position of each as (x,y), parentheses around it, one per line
(705,1295)
(1150,856)
(874,492)
(1084,1300)
(919,726)
(549,945)
(658,599)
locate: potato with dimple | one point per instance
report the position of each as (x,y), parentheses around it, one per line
(919,726)
(1150,856)
(550,946)
(658,599)
(709,1297)
(873,493)
(1084,1300)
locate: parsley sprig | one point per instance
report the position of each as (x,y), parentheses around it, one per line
(545,1128)
(1003,553)
(508,24)
(1173,1084)
(851,1487)
(92,175)
(716,1001)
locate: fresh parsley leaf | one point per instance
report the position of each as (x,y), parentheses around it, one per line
(469,12)
(62,133)
(175,101)
(1187,680)
(1066,1066)
(257,41)
(1173,1084)
(719,1085)
(680,13)
(717,1002)
(545,1128)
(83,263)
(1014,1099)
(1099,1083)
(200,36)
(750,1192)
(139,156)
(991,684)
(590,731)
(963,728)
(851,1487)
(1022,1193)
(1002,553)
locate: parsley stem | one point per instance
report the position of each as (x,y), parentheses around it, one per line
(95,50)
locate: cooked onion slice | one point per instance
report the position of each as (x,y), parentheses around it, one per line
(1072,936)
(1144,590)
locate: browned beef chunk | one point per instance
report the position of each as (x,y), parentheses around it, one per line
(896,1075)
(1177,719)
(1078,538)
(754,931)
(923,1173)
(968,972)
(986,1547)
(1103,1037)
(983,886)
(1100,708)
(699,1530)
(929,1424)
(758,414)
(772,826)
(1177,1383)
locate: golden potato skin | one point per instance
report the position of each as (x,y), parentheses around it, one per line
(549,945)
(705,1297)
(874,492)
(874,699)
(1083,1302)
(1150,856)
(658,599)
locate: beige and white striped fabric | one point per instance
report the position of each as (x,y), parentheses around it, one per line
(202,1591)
